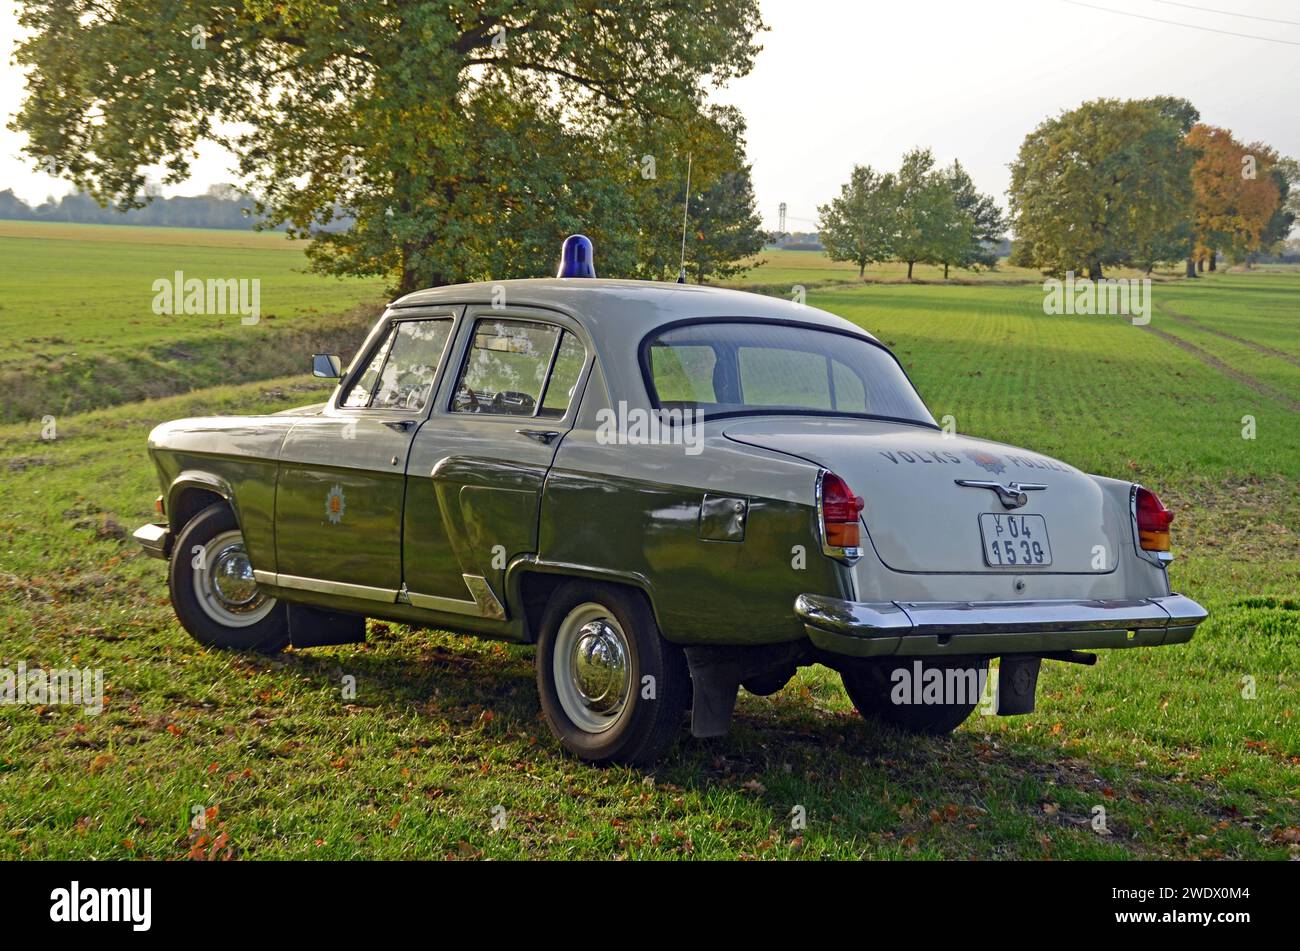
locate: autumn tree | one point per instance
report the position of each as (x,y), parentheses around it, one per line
(1236,194)
(1105,184)
(465,138)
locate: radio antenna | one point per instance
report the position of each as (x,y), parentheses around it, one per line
(686,211)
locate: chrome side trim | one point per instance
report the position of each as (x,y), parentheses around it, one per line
(485,603)
(340,589)
(435,602)
(488,604)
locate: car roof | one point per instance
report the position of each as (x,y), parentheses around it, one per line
(628,309)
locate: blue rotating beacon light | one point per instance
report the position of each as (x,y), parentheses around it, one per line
(576,257)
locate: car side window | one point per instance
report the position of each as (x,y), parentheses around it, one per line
(507,367)
(404,368)
(358,395)
(409,373)
(564,377)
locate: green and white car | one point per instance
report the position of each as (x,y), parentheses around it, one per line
(673,491)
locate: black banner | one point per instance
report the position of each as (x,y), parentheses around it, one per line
(335,900)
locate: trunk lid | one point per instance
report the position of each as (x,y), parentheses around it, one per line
(918,519)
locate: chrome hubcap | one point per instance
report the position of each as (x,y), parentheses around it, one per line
(232,577)
(592,668)
(600,666)
(224,582)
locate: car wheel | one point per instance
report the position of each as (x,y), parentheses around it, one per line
(612,689)
(213,590)
(878,693)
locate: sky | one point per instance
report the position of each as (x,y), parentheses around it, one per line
(845,83)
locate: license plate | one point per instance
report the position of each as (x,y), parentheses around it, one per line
(1015,541)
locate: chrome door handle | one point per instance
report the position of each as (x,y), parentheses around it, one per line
(543,436)
(401,425)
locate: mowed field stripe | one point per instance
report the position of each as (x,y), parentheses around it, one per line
(1258,347)
(1210,360)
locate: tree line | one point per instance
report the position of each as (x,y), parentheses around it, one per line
(437,141)
(1113,183)
(222,206)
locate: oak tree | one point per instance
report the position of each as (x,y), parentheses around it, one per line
(1105,184)
(464,137)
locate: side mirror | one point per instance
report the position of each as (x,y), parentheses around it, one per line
(327,365)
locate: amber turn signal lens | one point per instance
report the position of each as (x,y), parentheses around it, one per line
(158,506)
(843,535)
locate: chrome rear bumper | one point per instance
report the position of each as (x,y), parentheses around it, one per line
(907,628)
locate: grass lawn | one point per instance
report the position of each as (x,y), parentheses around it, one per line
(444,733)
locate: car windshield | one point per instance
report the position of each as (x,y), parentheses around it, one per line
(726,368)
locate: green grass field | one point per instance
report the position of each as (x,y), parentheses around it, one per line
(445,731)
(80,332)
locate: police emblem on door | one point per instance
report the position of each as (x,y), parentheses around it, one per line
(335,504)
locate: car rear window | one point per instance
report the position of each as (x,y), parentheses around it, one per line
(730,367)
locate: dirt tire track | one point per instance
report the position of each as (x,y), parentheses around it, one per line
(1215,363)
(1258,347)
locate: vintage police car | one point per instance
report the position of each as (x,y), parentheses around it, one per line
(673,491)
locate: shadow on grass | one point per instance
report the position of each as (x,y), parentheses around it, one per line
(865,789)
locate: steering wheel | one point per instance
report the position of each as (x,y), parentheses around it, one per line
(513,403)
(408,388)
(467,400)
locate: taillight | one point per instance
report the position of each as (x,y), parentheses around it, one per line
(839,509)
(1152,521)
(158,506)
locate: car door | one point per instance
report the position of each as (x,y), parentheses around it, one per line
(342,474)
(477,466)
